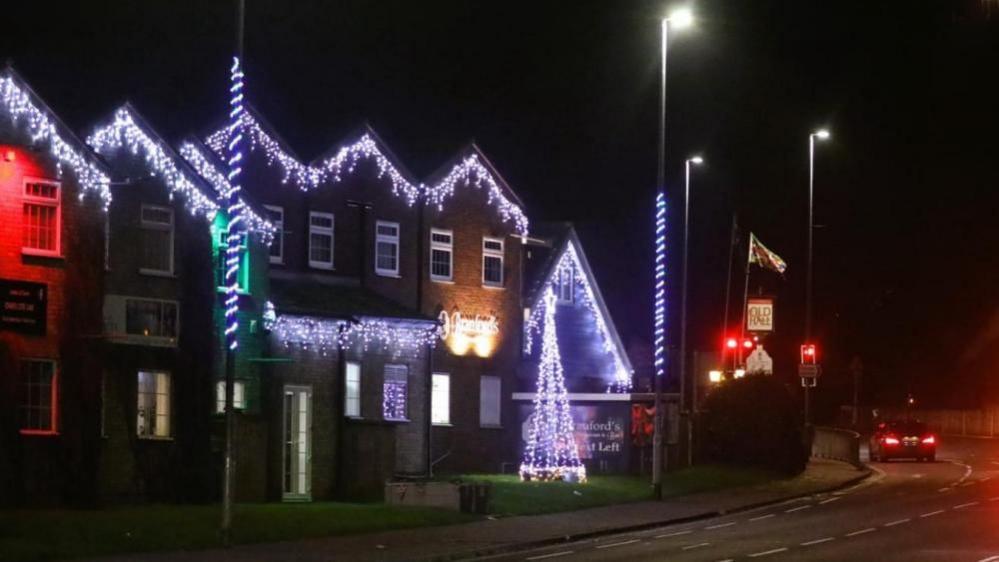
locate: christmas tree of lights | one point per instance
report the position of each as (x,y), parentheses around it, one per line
(551,446)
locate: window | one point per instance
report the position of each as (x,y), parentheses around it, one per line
(38,404)
(489,401)
(395,392)
(441,251)
(41,219)
(157,240)
(243,273)
(276,216)
(352,390)
(440,399)
(492,262)
(387,248)
(151,318)
(153,410)
(566,287)
(238,396)
(321,240)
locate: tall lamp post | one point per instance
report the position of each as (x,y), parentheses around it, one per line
(697,161)
(821,134)
(679,19)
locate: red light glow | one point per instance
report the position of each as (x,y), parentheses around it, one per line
(747,344)
(891,441)
(9,156)
(731,343)
(929,440)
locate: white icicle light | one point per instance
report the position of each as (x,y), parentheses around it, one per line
(325,336)
(19,107)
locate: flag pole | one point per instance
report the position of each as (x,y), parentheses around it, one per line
(728,277)
(745,298)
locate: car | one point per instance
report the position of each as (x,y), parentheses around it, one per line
(903,440)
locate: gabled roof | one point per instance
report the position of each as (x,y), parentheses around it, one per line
(27,110)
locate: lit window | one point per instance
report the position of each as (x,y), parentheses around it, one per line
(151,318)
(489,401)
(352,388)
(153,409)
(387,248)
(440,399)
(321,240)
(238,396)
(395,392)
(276,216)
(441,253)
(39,391)
(157,240)
(41,219)
(566,287)
(492,262)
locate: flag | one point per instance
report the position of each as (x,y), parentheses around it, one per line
(763,257)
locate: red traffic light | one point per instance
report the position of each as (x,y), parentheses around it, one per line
(731,343)
(748,344)
(808,354)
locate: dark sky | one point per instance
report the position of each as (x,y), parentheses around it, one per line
(563,98)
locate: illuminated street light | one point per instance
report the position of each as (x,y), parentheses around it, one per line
(821,134)
(681,18)
(739,373)
(715,376)
(696,160)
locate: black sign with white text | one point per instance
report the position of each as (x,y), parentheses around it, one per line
(23,306)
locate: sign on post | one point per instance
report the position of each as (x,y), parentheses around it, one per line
(23,306)
(760,314)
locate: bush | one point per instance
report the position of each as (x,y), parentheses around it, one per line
(754,421)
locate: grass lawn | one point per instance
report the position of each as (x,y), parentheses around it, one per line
(31,535)
(513,497)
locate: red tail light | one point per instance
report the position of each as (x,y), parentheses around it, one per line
(891,440)
(929,440)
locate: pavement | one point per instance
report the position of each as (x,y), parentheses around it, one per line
(507,538)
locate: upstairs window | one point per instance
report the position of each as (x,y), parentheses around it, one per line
(238,396)
(41,221)
(321,240)
(157,240)
(151,318)
(387,248)
(153,408)
(395,392)
(566,285)
(441,254)
(38,402)
(276,216)
(492,262)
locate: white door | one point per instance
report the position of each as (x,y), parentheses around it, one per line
(297,441)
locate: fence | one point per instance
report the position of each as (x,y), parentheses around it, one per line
(838,444)
(975,423)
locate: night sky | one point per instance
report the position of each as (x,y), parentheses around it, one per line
(563,97)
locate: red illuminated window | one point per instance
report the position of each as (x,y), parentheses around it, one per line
(39,391)
(40,223)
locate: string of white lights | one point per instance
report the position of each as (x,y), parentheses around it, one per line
(324,336)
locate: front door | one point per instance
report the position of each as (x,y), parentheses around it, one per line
(297,440)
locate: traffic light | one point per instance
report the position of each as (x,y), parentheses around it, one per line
(747,344)
(809,356)
(731,343)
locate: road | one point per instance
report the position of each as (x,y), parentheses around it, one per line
(942,511)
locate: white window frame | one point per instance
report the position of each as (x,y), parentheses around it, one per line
(43,202)
(352,399)
(149,225)
(141,338)
(158,417)
(443,247)
(498,422)
(53,398)
(387,239)
(493,253)
(278,235)
(440,399)
(238,396)
(322,231)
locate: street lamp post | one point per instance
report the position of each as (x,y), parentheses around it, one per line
(678,19)
(696,160)
(821,134)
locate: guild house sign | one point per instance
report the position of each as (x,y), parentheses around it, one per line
(23,306)
(466,334)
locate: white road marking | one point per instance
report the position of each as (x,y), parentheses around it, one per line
(989,559)
(799,508)
(693,546)
(818,541)
(985,479)
(995,499)
(932,513)
(552,555)
(613,544)
(830,500)
(968,483)
(768,552)
(964,505)
(945,489)
(861,532)
(897,522)
(769,515)
(720,525)
(676,534)
(727,560)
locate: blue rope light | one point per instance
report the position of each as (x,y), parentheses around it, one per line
(659,313)
(234,205)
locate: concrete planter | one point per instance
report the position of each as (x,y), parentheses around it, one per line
(455,496)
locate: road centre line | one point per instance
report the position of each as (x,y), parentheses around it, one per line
(995,499)
(830,500)
(552,555)
(769,515)
(693,546)
(818,541)
(676,534)
(989,559)
(964,505)
(861,532)
(799,508)
(897,522)
(613,544)
(944,489)
(720,525)
(932,513)
(768,552)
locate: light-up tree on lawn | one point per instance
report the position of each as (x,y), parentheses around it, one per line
(551,446)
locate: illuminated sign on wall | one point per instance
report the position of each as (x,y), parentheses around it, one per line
(760,315)
(464,334)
